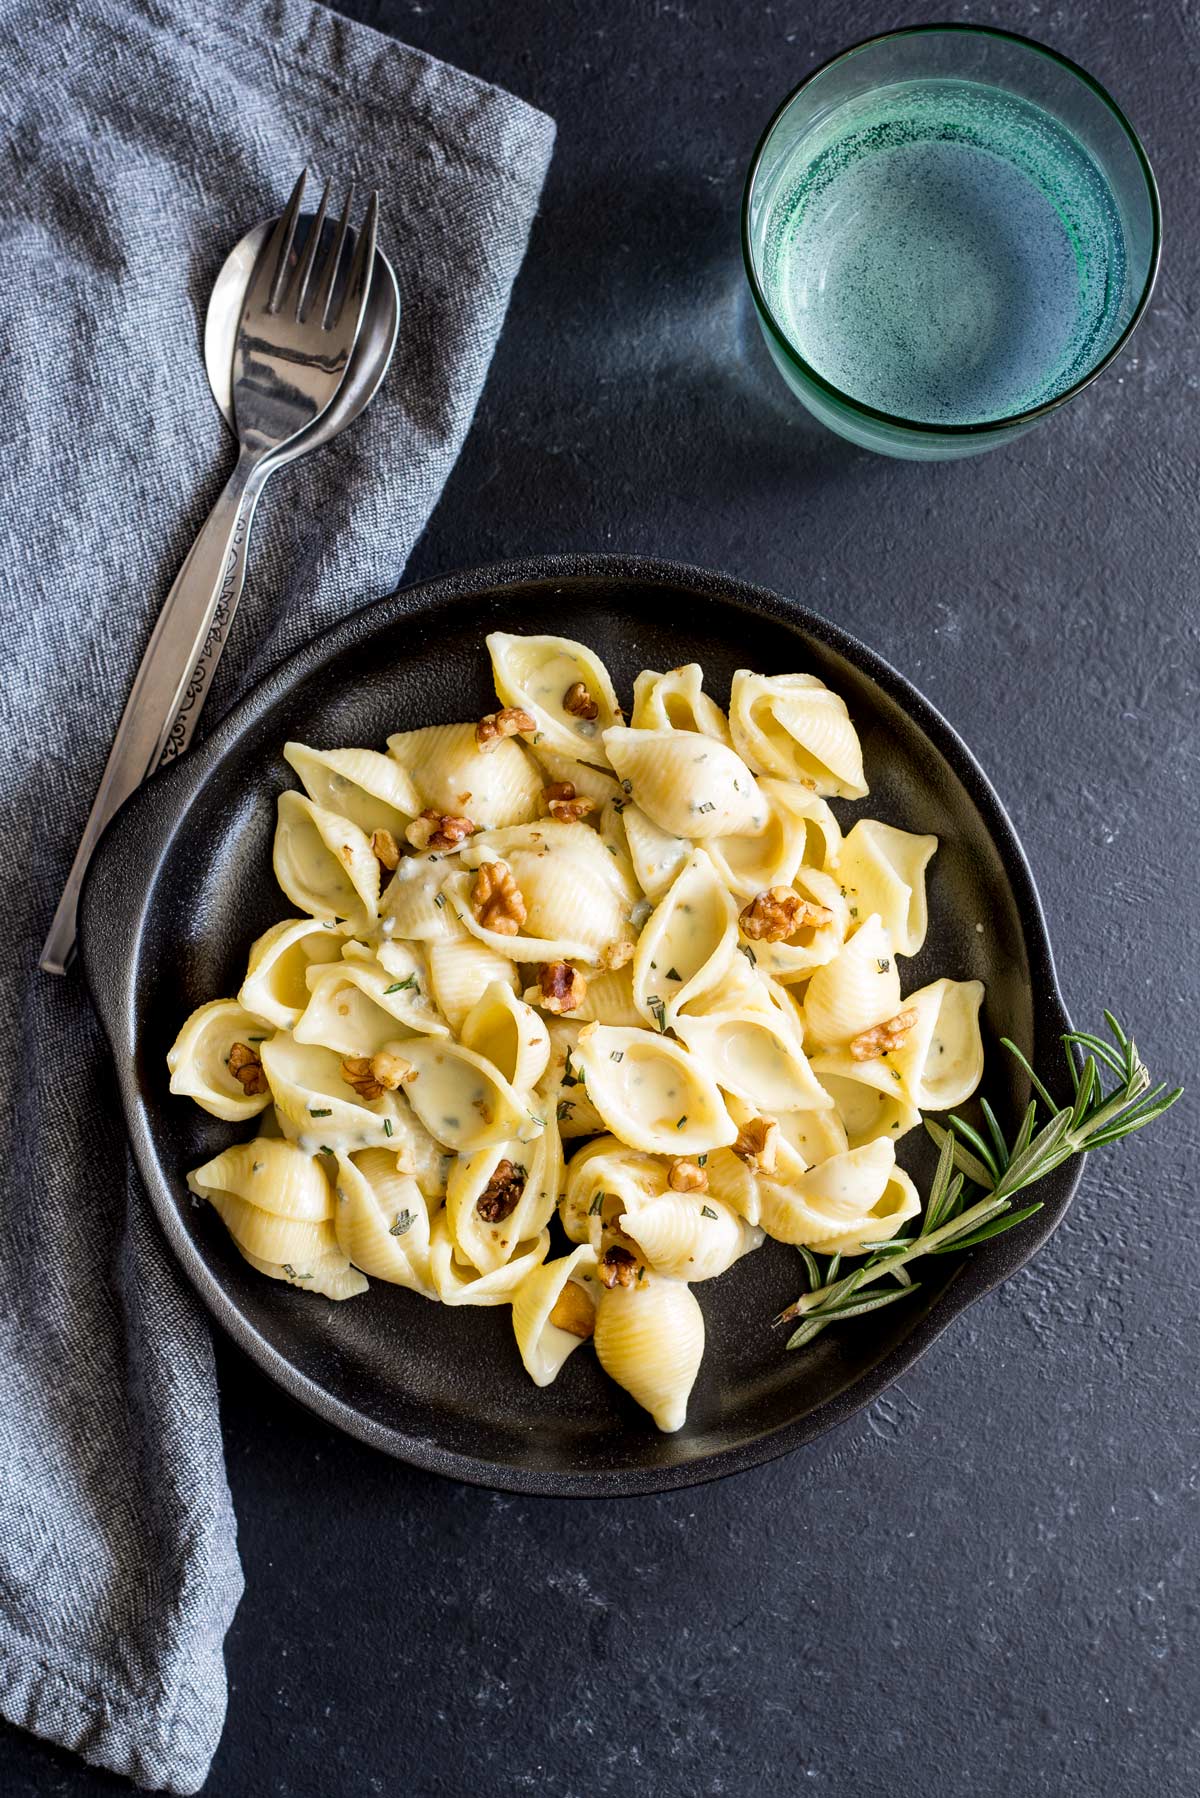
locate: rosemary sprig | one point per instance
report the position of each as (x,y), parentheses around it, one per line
(1096,1116)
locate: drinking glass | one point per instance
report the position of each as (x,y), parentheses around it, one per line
(990,251)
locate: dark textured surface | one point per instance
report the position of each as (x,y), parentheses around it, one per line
(177,893)
(987,1585)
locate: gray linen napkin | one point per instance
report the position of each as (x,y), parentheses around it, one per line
(139,140)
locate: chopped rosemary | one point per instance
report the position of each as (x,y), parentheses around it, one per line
(596,1205)
(616,1055)
(564,1109)
(627,788)
(674,974)
(570,1077)
(325,1149)
(403,1223)
(701,1160)
(680,1122)
(315,1111)
(439,899)
(291,1272)
(387,1126)
(401,986)
(706,806)
(885,966)
(256,1039)
(707,1211)
(748,952)
(1000,1169)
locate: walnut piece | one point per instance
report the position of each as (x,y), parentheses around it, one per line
(496,899)
(869,1045)
(502,1194)
(579,702)
(574,1311)
(778,913)
(758,1144)
(685,1176)
(373,1075)
(562,987)
(247,1070)
(615,955)
(495,726)
(438,830)
(386,850)
(619,1268)
(564,805)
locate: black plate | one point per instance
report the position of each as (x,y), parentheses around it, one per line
(182,885)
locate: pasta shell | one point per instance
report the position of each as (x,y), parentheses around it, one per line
(316,1106)
(834,1198)
(522,946)
(603,1179)
(488,1245)
(329,1273)
(794,957)
(808,1137)
(898,1202)
(794,727)
(773,855)
(686,944)
(509,1034)
(755,1057)
(451,774)
(370,789)
(677,701)
(869,1096)
(413,905)
(650,1339)
(355,1008)
(882,870)
(651,1092)
(597,784)
(544,1347)
(609,999)
(198,1060)
(286,1241)
(687,784)
(855,991)
(940,1062)
(461,1099)
(656,855)
(458,1285)
(689,1235)
(324,863)
(537,673)
(403,987)
(572,887)
(382,1221)
(276,983)
(561,1092)
(414,1150)
(270,1175)
(461,970)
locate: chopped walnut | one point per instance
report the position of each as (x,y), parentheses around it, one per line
(496,899)
(438,830)
(574,1311)
(869,1045)
(386,850)
(615,955)
(373,1075)
(502,1194)
(619,1268)
(758,1144)
(563,804)
(510,722)
(247,1070)
(685,1176)
(579,702)
(562,987)
(778,913)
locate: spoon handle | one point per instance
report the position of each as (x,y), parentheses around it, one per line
(202,600)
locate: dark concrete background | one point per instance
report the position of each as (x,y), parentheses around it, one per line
(987,1584)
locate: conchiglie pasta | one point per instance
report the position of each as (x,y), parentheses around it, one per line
(794,727)
(462,1100)
(677,701)
(543,676)
(755,1057)
(820,933)
(532,1171)
(452,775)
(458,1284)
(199,1060)
(940,1061)
(657,855)
(832,1199)
(649,1338)
(324,863)
(689,1235)
(381,1219)
(651,1092)
(855,991)
(869,1096)
(354,1008)
(290,1240)
(509,1034)
(567,1288)
(572,887)
(686,943)
(882,870)
(370,789)
(276,983)
(609,999)
(562,1090)
(315,1103)
(689,785)
(271,1175)
(413,905)
(600,785)
(461,970)
(603,1179)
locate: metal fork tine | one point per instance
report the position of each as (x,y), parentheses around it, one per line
(279,246)
(310,254)
(364,262)
(329,273)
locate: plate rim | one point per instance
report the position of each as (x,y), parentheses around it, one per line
(113,987)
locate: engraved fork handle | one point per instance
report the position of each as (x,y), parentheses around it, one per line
(173,678)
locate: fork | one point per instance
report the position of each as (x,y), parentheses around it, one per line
(298,327)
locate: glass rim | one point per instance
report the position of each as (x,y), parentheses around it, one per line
(922,426)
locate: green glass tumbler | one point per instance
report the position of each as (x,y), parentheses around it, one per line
(949,231)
